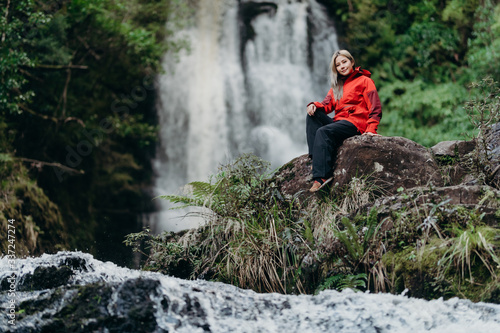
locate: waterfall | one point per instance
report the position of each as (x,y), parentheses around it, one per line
(241,88)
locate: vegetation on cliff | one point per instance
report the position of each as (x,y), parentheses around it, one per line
(271,243)
(432,242)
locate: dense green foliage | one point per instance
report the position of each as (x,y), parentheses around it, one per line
(31,214)
(422,54)
(76,102)
(267,242)
(253,237)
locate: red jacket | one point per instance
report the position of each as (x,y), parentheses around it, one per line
(359,104)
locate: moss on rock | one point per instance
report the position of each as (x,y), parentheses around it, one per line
(38,225)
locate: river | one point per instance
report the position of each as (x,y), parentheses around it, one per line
(87,295)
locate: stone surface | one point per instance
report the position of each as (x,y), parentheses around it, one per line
(485,199)
(294,178)
(453,148)
(107,298)
(391,162)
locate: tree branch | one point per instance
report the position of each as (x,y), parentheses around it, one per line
(96,56)
(58,67)
(43,116)
(54,164)
(54,119)
(6,16)
(31,75)
(65,91)
(78,120)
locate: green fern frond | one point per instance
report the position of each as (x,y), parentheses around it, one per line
(349,237)
(329,283)
(180,199)
(203,189)
(373,227)
(200,194)
(353,282)
(341,282)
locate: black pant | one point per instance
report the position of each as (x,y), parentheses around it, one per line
(324,137)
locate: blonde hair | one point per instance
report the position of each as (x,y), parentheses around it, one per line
(336,82)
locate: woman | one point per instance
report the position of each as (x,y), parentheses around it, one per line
(354,99)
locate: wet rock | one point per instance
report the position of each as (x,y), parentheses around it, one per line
(135,305)
(46,278)
(158,303)
(75,263)
(96,307)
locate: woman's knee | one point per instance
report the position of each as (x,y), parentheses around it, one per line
(324,133)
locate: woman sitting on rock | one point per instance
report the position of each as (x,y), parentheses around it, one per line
(358,110)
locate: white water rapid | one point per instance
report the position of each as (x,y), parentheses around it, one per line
(102,297)
(243,87)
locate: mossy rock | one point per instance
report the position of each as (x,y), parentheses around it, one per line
(38,225)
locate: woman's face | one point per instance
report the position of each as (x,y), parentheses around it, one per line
(343,65)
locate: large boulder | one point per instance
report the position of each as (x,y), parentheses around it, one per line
(390,162)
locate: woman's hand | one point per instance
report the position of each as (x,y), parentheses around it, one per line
(370,133)
(311,109)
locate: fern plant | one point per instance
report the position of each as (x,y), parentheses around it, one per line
(364,248)
(341,282)
(357,239)
(198,194)
(240,189)
(251,239)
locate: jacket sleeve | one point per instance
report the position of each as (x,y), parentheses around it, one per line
(328,103)
(372,101)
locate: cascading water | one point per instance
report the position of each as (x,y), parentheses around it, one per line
(243,86)
(73,292)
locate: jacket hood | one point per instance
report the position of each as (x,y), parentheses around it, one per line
(359,71)
(355,73)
